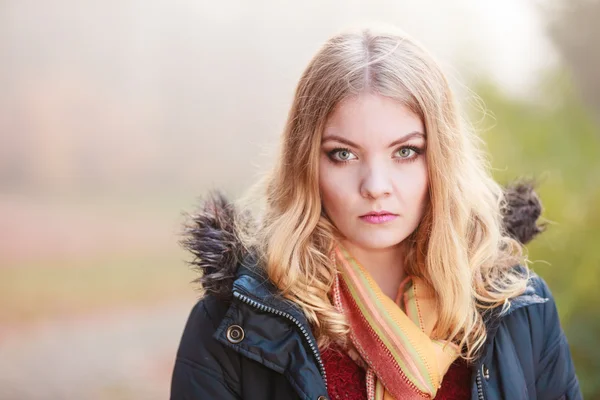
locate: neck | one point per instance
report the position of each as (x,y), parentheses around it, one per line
(386,266)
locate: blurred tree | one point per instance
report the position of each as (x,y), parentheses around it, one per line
(574,29)
(556,142)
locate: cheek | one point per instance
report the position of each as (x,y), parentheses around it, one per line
(422,185)
(329,194)
(415,186)
(333,187)
(422,189)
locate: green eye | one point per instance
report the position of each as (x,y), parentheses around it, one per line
(341,155)
(405,152)
(344,155)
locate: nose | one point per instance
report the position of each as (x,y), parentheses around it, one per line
(376,182)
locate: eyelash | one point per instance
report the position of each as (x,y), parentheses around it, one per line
(418,151)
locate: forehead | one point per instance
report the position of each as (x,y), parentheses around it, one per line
(371,118)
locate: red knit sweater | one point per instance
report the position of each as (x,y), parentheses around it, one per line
(346,380)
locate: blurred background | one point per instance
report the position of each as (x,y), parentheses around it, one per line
(115,116)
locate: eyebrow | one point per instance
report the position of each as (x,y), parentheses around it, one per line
(350,143)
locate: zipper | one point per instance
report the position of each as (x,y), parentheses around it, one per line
(479,385)
(309,340)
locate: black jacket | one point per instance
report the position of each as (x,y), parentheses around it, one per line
(243,341)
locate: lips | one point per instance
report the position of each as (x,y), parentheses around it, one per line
(378,217)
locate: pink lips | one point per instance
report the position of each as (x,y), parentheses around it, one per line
(378,217)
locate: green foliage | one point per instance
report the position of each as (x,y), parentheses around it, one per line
(555,141)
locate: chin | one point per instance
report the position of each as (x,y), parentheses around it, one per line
(377,241)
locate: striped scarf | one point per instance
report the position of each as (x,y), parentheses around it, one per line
(390,339)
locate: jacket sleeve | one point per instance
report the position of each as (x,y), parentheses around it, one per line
(555,372)
(204,369)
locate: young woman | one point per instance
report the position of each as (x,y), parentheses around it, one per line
(387,263)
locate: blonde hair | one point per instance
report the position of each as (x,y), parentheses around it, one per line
(460,247)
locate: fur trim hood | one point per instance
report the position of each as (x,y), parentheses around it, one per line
(211,237)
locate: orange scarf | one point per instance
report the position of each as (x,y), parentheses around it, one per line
(391,338)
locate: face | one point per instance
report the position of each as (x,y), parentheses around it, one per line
(373,171)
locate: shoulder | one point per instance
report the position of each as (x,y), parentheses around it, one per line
(536,301)
(197,343)
(534,315)
(539,286)
(200,356)
(531,315)
(536,332)
(203,367)
(201,324)
(545,313)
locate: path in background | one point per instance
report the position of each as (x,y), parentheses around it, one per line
(118,356)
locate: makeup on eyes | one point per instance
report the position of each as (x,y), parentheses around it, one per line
(417,151)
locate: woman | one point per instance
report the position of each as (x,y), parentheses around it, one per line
(387,264)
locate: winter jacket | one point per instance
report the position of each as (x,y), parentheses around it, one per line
(244,341)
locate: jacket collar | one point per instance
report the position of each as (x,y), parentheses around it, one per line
(296,356)
(256,286)
(253,283)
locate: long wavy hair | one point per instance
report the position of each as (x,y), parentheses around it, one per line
(459,247)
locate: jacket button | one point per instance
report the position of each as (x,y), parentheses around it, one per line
(485,371)
(322,398)
(235,334)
